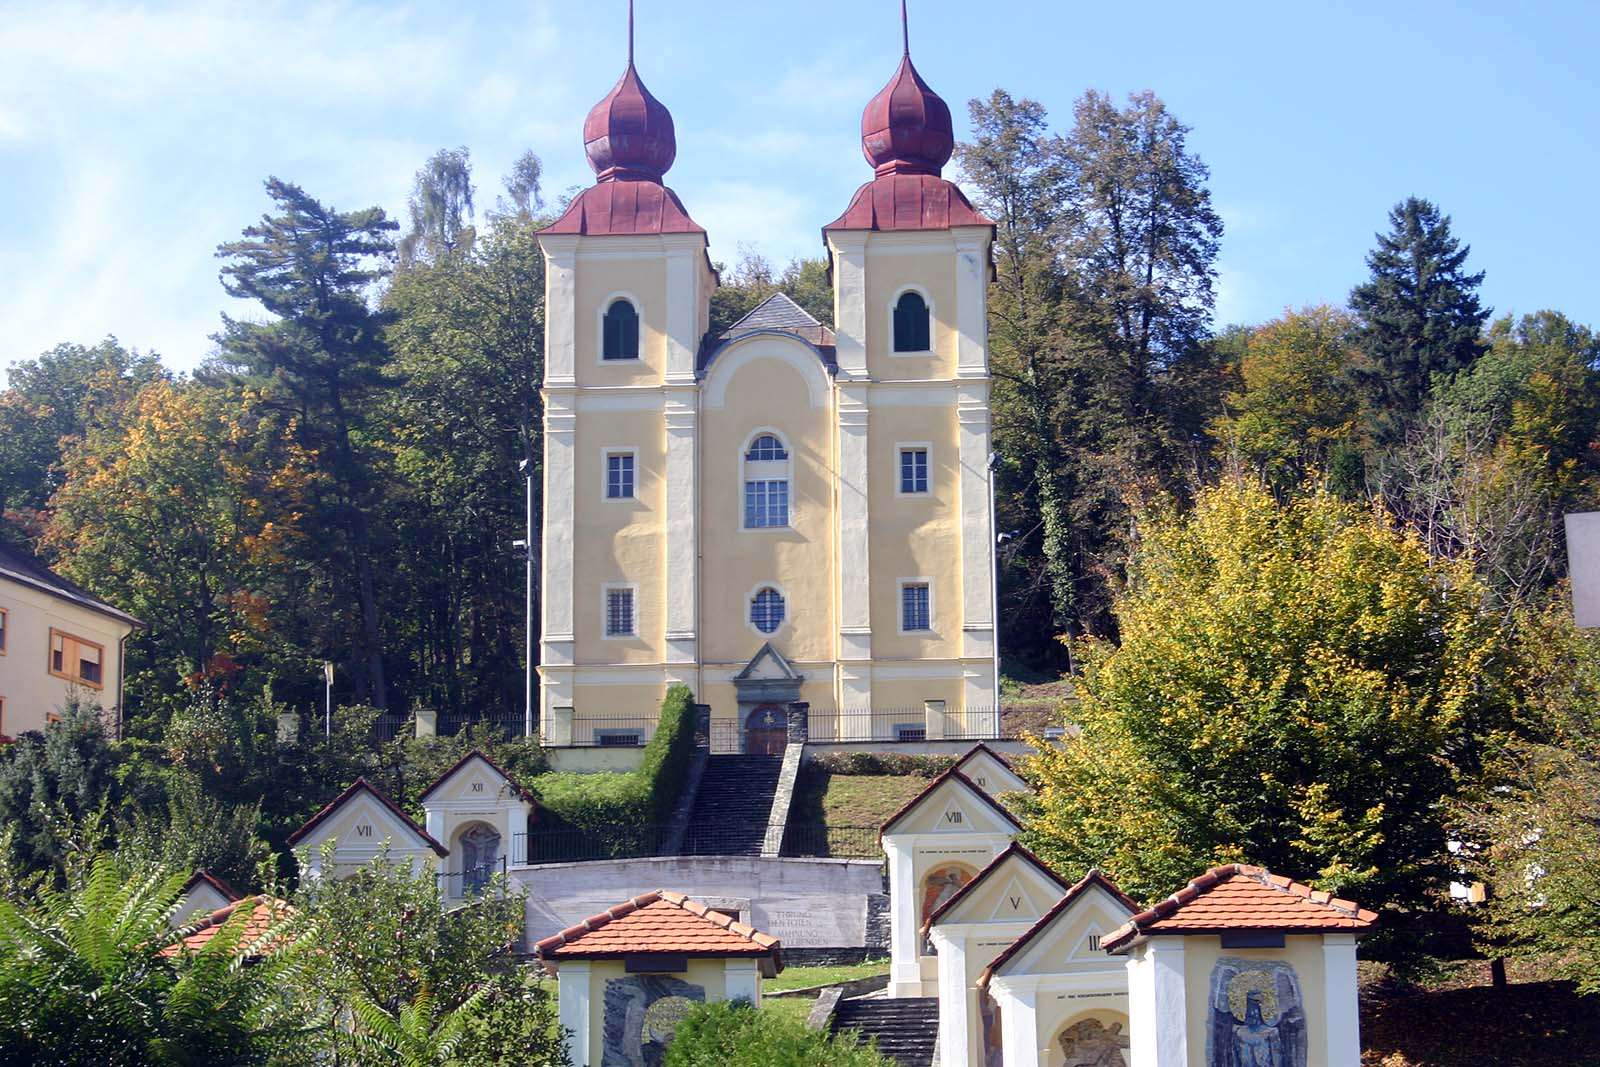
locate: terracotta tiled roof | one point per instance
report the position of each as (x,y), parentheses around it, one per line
(981,747)
(1013,849)
(951,775)
(516,786)
(358,786)
(1093,878)
(659,922)
(1240,897)
(265,913)
(213,881)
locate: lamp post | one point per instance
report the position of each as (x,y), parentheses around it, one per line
(526,544)
(327,703)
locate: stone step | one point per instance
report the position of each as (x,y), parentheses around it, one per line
(732,806)
(905,1029)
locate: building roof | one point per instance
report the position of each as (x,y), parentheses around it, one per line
(265,913)
(659,922)
(625,207)
(779,312)
(24,569)
(516,787)
(357,787)
(203,875)
(896,202)
(1073,894)
(1235,896)
(951,775)
(1013,849)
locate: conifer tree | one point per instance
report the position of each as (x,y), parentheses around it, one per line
(1420,315)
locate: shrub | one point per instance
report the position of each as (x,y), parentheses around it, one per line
(883,763)
(733,1034)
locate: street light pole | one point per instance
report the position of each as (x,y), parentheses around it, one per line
(327,704)
(526,467)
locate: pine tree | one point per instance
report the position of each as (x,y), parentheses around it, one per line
(1420,315)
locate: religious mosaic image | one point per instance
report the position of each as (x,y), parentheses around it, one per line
(1093,1043)
(1257,1016)
(940,885)
(993,1035)
(642,1012)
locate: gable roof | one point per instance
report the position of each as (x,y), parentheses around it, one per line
(1236,896)
(766,651)
(265,913)
(1072,895)
(948,776)
(203,875)
(1013,849)
(659,922)
(776,312)
(24,569)
(357,787)
(516,787)
(982,749)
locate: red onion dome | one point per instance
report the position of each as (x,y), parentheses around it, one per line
(629,134)
(906,129)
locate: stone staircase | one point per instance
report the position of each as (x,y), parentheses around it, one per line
(906,1030)
(732,806)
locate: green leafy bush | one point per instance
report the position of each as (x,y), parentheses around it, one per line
(733,1034)
(883,763)
(634,798)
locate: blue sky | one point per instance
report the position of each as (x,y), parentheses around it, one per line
(134,138)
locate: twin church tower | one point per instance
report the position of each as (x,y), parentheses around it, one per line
(781,511)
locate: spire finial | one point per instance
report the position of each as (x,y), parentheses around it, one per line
(630,32)
(905,28)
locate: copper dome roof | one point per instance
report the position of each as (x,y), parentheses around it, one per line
(906,128)
(629,134)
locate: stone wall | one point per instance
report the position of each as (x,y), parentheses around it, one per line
(806,903)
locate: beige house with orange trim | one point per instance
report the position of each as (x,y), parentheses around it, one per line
(825,492)
(57,641)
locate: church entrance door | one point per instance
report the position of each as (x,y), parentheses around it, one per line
(766,731)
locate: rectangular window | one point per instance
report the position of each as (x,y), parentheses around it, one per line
(619,613)
(913,470)
(2,631)
(766,504)
(914,611)
(76,660)
(619,476)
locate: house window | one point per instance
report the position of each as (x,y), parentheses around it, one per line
(915,613)
(766,610)
(619,612)
(911,323)
(76,660)
(2,631)
(618,738)
(913,470)
(619,475)
(621,331)
(766,483)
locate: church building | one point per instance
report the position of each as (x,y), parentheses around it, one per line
(784,510)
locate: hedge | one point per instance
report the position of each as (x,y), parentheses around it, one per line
(634,798)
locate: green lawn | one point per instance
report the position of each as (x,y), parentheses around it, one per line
(801,977)
(825,799)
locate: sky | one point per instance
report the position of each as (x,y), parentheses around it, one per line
(134,138)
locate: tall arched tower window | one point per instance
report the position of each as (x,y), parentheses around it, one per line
(621,329)
(911,330)
(766,483)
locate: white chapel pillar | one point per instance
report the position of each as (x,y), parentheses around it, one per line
(905,969)
(1158,1015)
(1343,1009)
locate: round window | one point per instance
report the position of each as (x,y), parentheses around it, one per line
(766,610)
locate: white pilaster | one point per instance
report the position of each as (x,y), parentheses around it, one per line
(683,338)
(1019,1025)
(1342,1006)
(1158,1021)
(972,289)
(573,1007)
(682,549)
(977,529)
(905,969)
(560,308)
(855,573)
(955,1024)
(556,559)
(743,980)
(850,302)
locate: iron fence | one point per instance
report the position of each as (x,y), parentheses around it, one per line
(590,844)
(389,726)
(932,722)
(471,881)
(629,732)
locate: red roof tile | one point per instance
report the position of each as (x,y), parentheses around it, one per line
(659,922)
(908,202)
(1013,849)
(1240,897)
(613,208)
(265,913)
(516,786)
(1077,890)
(951,775)
(358,786)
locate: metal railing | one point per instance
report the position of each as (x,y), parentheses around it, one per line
(590,844)
(933,721)
(584,732)
(387,727)
(469,882)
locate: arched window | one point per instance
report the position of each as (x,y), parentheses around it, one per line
(911,333)
(766,610)
(480,853)
(621,329)
(766,483)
